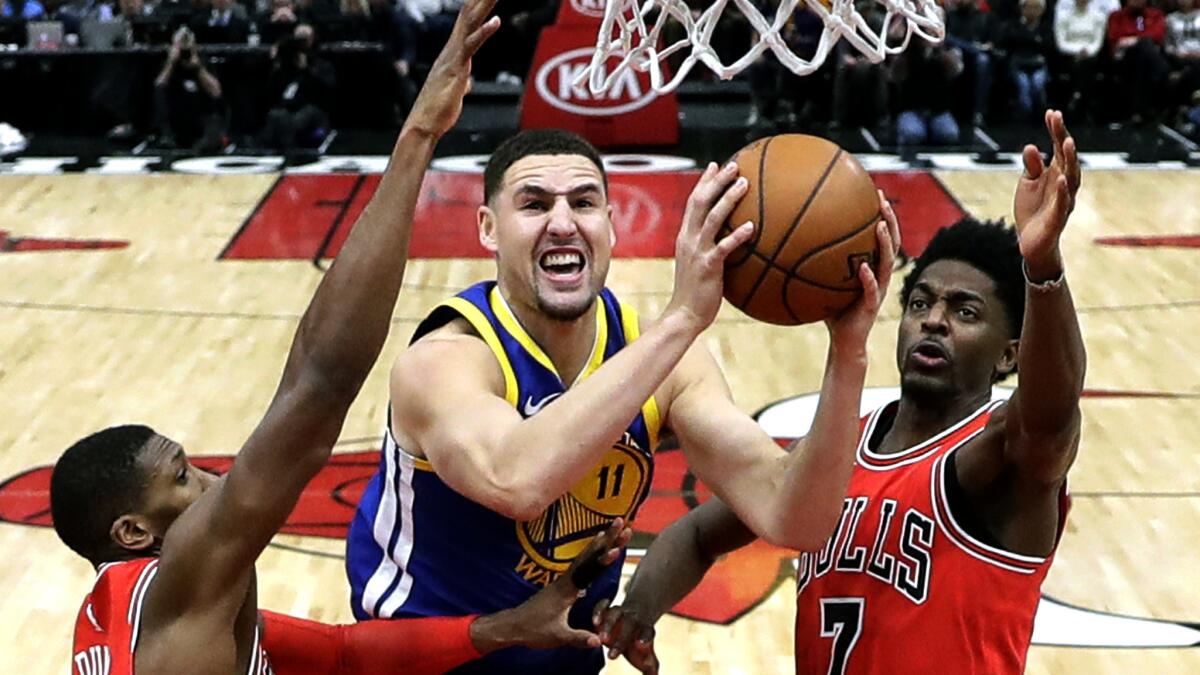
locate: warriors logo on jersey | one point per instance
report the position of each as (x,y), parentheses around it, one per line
(418,548)
(902,587)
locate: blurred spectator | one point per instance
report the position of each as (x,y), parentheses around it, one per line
(426,24)
(780,96)
(356,22)
(300,90)
(226,23)
(1078,35)
(1183,51)
(30,10)
(859,86)
(188,107)
(1104,7)
(970,31)
(1027,42)
(924,75)
(1135,36)
(278,22)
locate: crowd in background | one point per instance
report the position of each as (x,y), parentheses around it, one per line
(1002,61)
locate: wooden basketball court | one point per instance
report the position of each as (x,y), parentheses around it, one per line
(165,332)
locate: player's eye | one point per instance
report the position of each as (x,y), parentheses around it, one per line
(584,204)
(534,206)
(182,476)
(968,313)
(917,304)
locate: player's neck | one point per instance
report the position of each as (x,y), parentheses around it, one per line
(918,420)
(568,344)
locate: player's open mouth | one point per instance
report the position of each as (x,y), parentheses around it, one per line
(930,354)
(563,265)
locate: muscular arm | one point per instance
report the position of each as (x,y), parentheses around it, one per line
(1042,424)
(514,466)
(680,557)
(791,500)
(209,552)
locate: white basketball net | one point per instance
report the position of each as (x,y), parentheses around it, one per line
(631,31)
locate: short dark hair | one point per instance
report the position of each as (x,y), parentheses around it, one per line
(96,481)
(536,142)
(988,246)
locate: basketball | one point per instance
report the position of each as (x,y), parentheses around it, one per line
(814,210)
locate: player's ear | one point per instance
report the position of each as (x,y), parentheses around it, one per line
(612,228)
(130,532)
(487,228)
(1008,360)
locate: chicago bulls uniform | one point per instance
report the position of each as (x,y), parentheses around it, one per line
(106,630)
(901,587)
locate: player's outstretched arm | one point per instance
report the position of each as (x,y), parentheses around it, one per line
(675,564)
(214,544)
(1042,421)
(428,646)
(518,467)
(791,500)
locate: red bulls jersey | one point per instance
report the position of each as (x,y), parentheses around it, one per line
(106,631)
(901,588)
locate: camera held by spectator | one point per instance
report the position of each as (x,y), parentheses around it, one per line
(299,91)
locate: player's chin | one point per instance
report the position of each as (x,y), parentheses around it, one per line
(566,305)
(922,384)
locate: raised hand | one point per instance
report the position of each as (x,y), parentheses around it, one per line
(1044,200)
(541,621)
(699,257)
(625,633)
(439,104)
(850,328)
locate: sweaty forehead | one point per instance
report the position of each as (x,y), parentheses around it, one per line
(557,173)
(948,276)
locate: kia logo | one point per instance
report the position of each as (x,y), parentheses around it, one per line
(589,7)
(556,85)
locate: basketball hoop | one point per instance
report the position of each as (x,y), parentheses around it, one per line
(631,30)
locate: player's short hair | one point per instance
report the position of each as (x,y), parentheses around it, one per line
(536,142)
(988,246)
(96,481)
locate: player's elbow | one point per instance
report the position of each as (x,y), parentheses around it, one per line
(520,496)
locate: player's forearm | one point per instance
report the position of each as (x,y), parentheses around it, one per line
(673,566)
(807,501)
(342,332)
(546,454)
(1052,359)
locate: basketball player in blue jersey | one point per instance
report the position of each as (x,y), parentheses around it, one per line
(526,410)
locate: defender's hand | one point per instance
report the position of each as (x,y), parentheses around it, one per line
(1044,200)
(625,633)
(848,331)
(699,257)
(439,104)
(541,621)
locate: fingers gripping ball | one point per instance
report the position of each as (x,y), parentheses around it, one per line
(814,210)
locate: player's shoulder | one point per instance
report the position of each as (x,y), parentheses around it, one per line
(454,350)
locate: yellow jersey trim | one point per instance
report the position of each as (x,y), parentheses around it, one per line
(650,413)
(482,326)
(509,320)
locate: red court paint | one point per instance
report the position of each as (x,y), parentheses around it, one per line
(305,215)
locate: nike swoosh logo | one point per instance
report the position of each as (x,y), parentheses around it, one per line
(532,409)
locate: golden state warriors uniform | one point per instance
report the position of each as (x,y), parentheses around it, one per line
(418,548)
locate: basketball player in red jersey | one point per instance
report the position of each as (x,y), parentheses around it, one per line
(175,547)
(957,502)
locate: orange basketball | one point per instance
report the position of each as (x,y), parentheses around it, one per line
(814,210)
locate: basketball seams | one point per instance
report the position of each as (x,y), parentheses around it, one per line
(825,247)
(812,195)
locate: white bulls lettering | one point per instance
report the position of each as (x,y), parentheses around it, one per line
(902,561)
(95,660)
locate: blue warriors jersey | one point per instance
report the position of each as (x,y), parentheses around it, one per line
(418,548)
